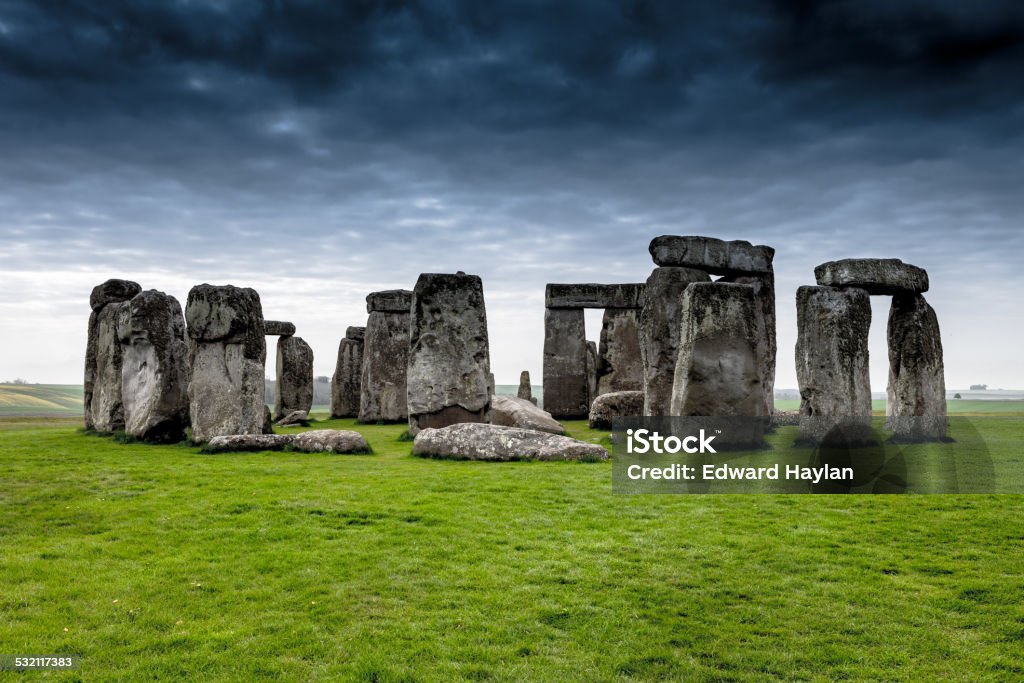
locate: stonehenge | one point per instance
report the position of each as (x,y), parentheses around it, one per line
(154,367)
(347,374)
(227,352)
(293,390)
(103,405)
(696,339)
(449,362)
(382,385)
(833,319)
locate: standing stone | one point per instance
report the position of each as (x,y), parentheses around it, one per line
(227,352)
(832,364)
(154,370)
(566,393)
(525,388)
(382,387)
(717,370)
(916,405)
(767,348)
(593,360)
(293,389)
(619,366)
(449,355)
(659,326)
(103,404)
(347,374)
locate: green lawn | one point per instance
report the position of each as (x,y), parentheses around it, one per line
(157,562)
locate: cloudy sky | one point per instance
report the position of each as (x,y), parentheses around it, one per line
(320,150)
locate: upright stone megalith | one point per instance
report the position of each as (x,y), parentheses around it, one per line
(227,352)
(767,348)
(347,374)
(449,354)
(103,403)
(566,393)
(717,372)
(382,387)
(525,388)
(293,389)
(916,406)
(619,365)
(154,367)
(832,364)
(659,333)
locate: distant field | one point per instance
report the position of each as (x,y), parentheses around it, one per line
(43,400)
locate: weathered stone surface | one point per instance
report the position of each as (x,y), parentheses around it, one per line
(382,387)
(103,408)
(449,357)
(619,365)
(227,352)
(111,292)
(474,441)
(295,418)
(277,328)
(347,376)
(313,441)
(154,367)
(916,406)
(293,389)
(592,295)
(389,301)
(832,364)
(712,255)
(767,348)
(268,420)
(330,441)
(659,334)
(525,388)
(717,370)
(566,394)
(786,418)
(615,404)
(248,442)
(511,411)
(593,360)
(873,275)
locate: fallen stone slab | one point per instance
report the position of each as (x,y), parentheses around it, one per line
(294,418)
(277,328)
(615,404)
(494,443)
(314,441)
(247,442)
(330,441)
(512,411)
(712,255)
(885,276)
(593,295)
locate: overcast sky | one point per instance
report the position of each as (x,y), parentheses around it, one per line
(318,151)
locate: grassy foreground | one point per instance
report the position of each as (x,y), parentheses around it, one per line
(156,562)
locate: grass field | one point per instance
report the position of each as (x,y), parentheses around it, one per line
(157,562)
